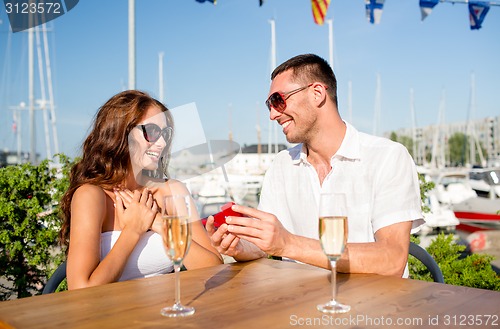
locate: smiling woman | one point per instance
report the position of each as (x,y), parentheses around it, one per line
(112,221)
(150,143)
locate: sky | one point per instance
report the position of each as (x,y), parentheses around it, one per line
(219,57)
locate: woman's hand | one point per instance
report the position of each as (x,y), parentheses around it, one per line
(157,223)
(135,210)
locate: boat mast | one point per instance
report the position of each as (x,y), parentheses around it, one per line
(413,125)
(45,104)
(43,101)
(131,44)
(51,92)
(437,159)
(31,93)
(471,130)
(17,116)
(470,127)
(257,127)
(230,110)
(273,66)
(378,106)
(349,100)
(160,76)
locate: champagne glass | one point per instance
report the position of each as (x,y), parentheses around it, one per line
(176,230)
(333,238)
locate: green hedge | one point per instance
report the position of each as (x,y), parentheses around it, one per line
(471,271)
(29,225)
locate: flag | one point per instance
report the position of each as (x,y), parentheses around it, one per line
(212,1)
(261,2)
(426,7)
(14,127)
(319,8)
(477,13)
(374,10)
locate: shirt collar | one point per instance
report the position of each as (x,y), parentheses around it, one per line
(349,148)
(298,154)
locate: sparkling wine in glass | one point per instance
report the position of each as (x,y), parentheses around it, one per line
(176,229)
(333,238)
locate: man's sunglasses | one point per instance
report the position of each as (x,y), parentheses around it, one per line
(153,132)
(278,99)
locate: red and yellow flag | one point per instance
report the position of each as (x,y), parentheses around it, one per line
(319,8)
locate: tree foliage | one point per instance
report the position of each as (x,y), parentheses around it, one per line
(459,150)
(29,225)
(405,140)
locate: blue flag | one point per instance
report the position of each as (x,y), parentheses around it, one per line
(477,13)
(426,7)
(374,10)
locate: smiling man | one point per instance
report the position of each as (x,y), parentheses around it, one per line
(377,175)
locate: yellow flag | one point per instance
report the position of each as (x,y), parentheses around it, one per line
(319,8)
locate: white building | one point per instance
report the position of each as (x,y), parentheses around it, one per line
(433,139)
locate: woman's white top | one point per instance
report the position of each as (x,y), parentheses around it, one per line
(147,259)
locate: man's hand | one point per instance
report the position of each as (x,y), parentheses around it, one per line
(262,229)
(230,244)
(225,242)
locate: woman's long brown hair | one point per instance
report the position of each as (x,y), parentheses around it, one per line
(105,153)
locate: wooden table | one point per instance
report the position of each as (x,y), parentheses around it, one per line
(267,293)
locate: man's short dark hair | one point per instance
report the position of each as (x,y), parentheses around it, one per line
(309,68)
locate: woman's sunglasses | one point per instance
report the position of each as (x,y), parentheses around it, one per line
(153,132)
(278,99)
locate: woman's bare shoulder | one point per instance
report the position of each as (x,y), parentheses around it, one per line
(89,192)
(176,187)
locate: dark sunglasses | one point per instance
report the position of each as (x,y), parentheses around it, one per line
(278,99)
(153,132)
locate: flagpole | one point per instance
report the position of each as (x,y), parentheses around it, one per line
(330,40)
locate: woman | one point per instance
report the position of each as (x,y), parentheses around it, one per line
(111,210)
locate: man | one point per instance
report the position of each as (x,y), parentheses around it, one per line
(377,175)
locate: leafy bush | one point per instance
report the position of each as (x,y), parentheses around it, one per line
(29,225)
(425,186)
(471,271)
